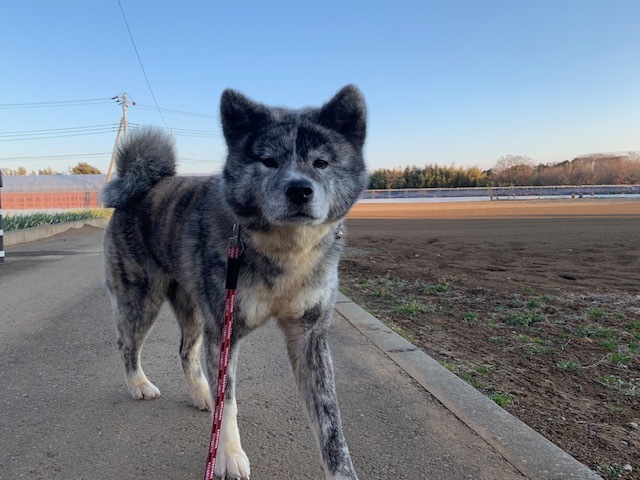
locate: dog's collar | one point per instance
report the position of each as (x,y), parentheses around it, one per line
(339,233)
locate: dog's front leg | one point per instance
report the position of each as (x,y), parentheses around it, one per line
(313,370)
(231,461)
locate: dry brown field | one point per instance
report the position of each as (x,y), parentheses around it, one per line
(534,303)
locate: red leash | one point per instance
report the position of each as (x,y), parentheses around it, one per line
(233,271)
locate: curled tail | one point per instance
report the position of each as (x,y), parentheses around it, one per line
(142,161)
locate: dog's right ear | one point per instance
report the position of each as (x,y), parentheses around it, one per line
(240,115)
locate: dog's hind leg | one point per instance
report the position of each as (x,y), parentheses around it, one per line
(190,322)
(136,300)
(313,370)
(231,462)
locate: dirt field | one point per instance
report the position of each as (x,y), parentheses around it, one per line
(535,303)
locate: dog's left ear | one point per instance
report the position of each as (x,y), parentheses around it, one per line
(240,115)
(346,113)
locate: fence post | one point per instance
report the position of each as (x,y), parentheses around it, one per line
(1,230)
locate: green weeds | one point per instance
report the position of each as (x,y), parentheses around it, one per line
(624,387)
(501,399)
(17,222)
(469,318)
(610,471)
(569,366)
(433,288)
(597,331)
(412,307)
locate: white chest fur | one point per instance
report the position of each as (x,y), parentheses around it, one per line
(296,250)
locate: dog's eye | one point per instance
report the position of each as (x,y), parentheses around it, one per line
(321,164)
(269,163)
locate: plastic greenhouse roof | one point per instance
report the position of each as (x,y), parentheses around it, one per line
(52,183)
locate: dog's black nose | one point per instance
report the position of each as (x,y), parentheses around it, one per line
(299,191)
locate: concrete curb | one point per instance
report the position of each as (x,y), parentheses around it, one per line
(14,237)
(528,451)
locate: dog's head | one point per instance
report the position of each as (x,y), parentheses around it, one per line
(287,167)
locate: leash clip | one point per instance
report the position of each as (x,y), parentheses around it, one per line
(234,239)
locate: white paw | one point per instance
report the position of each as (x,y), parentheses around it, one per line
(143,389)
(201,395)
(203,403)
(232,464)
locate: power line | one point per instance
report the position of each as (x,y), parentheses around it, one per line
(56,130)
(185,132)
(140,62)
(41,157)
(96,132)
(60,103)
(176,112)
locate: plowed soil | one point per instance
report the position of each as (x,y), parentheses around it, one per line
(534,303)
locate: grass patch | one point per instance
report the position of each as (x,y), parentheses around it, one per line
(412,308)
(619,358)
(597,331)
(595,312)
(610,470)
(501,399)
(620,385)
(472,380)
(469,317)
(524,318)
(492,324)
(533,304)
(432,288)
(449,366)
(569,366)
(538,349)
(18,222)
(634,330)
(609,344)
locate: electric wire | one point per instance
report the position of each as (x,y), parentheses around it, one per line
(176,112)
(60,103)
(141,66)
(25,138)
(20,133)
(183,132)
(41,157)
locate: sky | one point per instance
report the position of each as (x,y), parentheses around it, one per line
(461,82)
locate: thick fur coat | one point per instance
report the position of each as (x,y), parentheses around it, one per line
(289,180)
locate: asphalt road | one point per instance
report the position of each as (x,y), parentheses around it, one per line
(66,413)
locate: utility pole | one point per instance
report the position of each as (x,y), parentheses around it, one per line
(122,128)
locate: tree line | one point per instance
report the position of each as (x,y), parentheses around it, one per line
(82,168)
(509,170)
(513,171)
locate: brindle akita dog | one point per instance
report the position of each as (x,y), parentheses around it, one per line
(289,180)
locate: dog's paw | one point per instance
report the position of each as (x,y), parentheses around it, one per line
(232,464)
(143,389)
(201,395)
(203,403)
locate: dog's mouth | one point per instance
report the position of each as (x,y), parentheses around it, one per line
(298,218)
(301,217)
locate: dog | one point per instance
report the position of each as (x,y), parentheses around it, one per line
(289,179)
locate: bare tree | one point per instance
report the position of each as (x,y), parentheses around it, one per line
(514,170)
